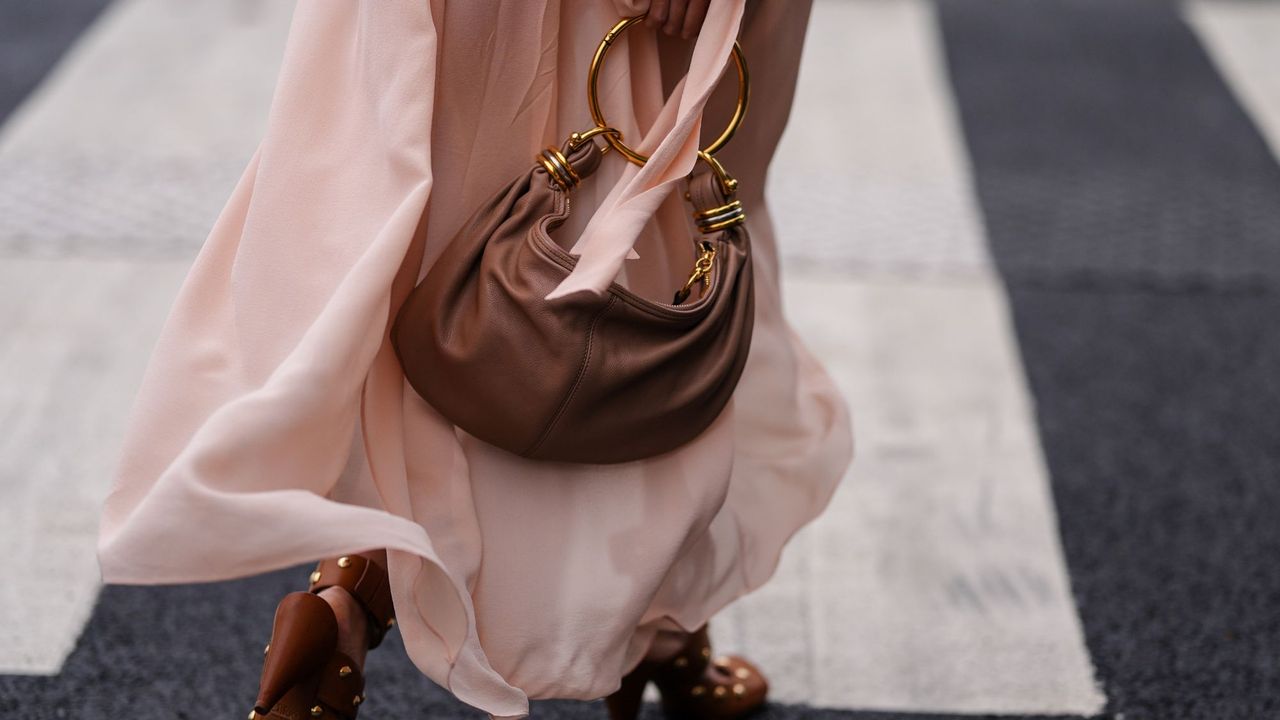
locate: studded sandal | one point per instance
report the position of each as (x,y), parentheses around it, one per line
(693,685)
(304,674)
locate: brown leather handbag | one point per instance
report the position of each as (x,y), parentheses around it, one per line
(584,379)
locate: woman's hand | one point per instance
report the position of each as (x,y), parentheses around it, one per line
(678,17)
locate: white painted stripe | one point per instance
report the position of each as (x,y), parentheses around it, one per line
(76,334)
(872,175)
(936,582)
(1243,38)
(132,146)
(133,143)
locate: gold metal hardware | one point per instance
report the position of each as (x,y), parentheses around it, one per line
(720,691)
(266,649)
(714,227)
(355,701)
(253,715)
(742,673)
(391,623)
(706,652)
(728,183)
(576,139)
(559,168)
(701,272)
(739,689)
(615,140)
(719,218)
(697,690)
(344,561)
(344,671)
(317,711)
(315,577)
(719,210)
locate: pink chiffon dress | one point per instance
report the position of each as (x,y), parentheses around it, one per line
(274,426)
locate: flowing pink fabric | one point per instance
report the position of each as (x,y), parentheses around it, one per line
(274,425)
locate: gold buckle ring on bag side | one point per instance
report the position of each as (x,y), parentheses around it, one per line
(615,140)
(559,167)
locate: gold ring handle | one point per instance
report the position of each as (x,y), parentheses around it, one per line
(615,140)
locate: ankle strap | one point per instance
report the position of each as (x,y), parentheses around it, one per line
(367,582)
(690,664)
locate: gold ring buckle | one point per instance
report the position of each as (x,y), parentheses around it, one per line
(559,168)
(615,138)
(577,138)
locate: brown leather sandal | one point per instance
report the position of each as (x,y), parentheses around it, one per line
(693,685)
(304,674)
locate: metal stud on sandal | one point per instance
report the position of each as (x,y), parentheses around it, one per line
(304,675)
(693,685)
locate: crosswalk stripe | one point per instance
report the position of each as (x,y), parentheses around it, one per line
(133,144)
(872,175)
(935,582)
(33,37)
(71,363)
(98,221)
(1241,37)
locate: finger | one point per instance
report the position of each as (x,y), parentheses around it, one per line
(657,13)
(694,16)
(675,17)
